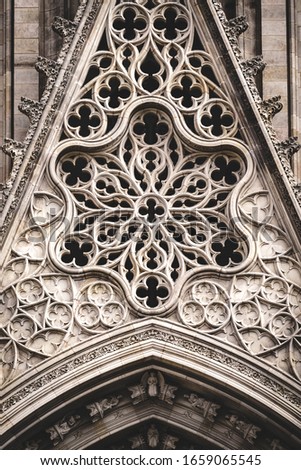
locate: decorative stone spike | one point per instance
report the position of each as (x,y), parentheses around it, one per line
(32,109)
(63,26)
(49,67)
(252,67)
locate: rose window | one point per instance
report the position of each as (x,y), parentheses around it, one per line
(149,210)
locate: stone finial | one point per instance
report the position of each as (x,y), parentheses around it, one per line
(31,108)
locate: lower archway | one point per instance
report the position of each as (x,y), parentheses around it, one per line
(157,386)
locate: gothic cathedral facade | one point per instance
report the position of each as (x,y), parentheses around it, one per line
(150,227)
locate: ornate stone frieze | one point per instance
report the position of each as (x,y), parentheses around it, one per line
(153,439)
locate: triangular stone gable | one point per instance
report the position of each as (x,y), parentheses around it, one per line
(150,186)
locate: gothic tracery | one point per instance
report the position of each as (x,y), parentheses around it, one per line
(151,206)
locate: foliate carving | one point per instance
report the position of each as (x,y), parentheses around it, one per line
(237,25)
(267,108)
(47,66)
(234,28)
(247,430)
(206,408)
(14,149)
(32,445)
(270,107)
(137,441)
(275,444)
(288,147)
(170,442)
(62,428)
(32,109)
(51,69)
(98,409)
(64,27)
(152,385)
(247,371)
(252,67)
